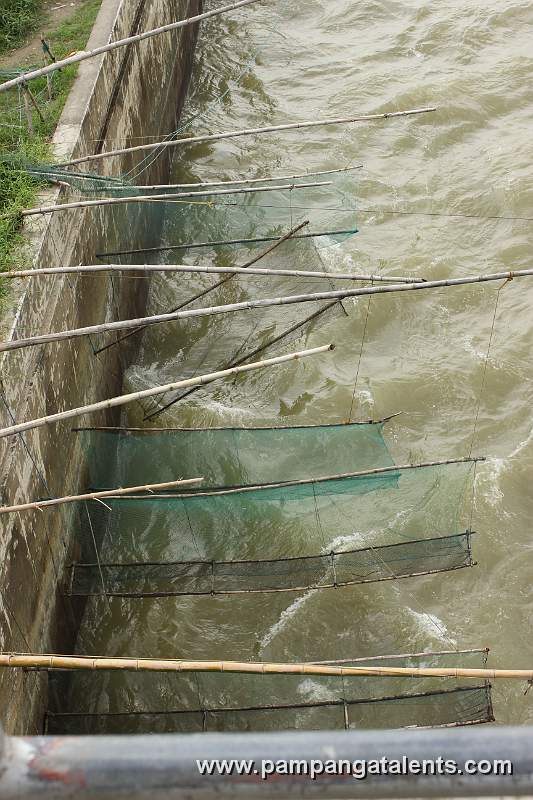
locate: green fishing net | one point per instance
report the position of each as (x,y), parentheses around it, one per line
(292,536)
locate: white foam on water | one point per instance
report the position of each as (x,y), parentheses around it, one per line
(488,480)
(522,445)
(345,541)
(289,613)
(312,690)
(286,617)
(431,625)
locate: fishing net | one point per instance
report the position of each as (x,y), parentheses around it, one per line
(369,565)
(82,182)
(288,537)
(232,456)
(210,344)
(330,210)
(106,702)
(205,344)
(263,209)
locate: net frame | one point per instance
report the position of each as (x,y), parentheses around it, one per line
(331,562)
(484,690)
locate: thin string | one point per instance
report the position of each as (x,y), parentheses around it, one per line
(97,553)
(485,365)
(361,351)
(447,215)
(319,521)
(193,536)
(473,498)
(149,160)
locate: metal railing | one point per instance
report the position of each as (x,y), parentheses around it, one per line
(166,768)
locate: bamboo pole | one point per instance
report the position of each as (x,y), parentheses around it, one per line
(125,429)
(48,81)
(167,198)
(86,54)
(327,478)
(36,661)
(207,270)
(183,384)
(34,102)
(248,305)
(27,109)
(215,137)
(247,181)
(110,494)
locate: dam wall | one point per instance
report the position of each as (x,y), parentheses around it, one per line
(127,96)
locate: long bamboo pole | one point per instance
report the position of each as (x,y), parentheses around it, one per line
(207,270)
(256,668)
(109,494)
(133,396)
(327,478)
(215,137)
(251,181)
(340,294)
(210,184)
(167,198)
(97,51)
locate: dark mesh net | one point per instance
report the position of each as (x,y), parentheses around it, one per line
(313,572)
(314,534)
(162,703)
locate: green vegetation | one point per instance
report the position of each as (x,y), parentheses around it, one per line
(17,19)
(17,145)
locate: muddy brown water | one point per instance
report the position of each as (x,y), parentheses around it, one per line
(424,353)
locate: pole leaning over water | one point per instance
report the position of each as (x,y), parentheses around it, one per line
(133,396)
(98,269)
(175,197)
(340,294)
(110,494)
(84,55)
(47,662)
(109,184)
(215,137)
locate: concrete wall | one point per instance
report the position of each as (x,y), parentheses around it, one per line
(129,93)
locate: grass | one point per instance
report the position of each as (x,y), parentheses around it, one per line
(17,145)
(17,19)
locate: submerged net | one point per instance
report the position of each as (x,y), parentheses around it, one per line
(209,344)
(232,456)
(231,343)
(270,213)
(162,703)
(235,216)
(369,565)
(321,533)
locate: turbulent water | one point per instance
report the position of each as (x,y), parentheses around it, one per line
(460,180)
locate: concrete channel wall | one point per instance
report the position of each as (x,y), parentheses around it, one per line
(127,94)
